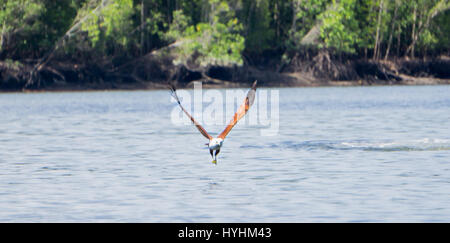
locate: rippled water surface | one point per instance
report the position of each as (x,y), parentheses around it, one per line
(357,154)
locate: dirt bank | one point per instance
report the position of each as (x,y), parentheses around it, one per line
(155,71)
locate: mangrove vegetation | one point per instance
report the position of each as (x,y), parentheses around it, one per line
(108,44)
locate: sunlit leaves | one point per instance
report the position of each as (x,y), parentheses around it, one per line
(217,42)
(339,29)
(111,25)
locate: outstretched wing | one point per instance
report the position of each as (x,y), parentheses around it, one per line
(199,127)
(242,110)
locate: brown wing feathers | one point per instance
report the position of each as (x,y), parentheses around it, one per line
(242,110)
(199,127)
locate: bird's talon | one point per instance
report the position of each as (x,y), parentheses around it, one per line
(214,162)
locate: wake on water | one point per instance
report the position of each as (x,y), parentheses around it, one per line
(426,144)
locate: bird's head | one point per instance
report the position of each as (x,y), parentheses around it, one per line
(215,143)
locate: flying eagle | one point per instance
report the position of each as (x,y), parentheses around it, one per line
(216,143)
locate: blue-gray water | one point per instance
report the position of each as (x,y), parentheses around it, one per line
(370,154)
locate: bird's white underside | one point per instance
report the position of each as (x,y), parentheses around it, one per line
(215,143)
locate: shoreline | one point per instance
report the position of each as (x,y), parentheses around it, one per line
(332,83)
(155,73)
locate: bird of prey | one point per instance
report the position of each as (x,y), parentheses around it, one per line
(215,144)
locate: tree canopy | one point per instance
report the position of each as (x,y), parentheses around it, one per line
(220,32)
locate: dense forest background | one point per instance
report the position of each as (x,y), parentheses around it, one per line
(98,42)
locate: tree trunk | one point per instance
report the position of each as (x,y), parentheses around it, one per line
(142,29)
(413,34)
(377,36)
(2,35)
(394,19)
(440,7)
(276,19)
(296,9)
(399,31)
(249,18)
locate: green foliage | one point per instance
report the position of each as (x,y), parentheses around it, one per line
(20,18)
(10,64)
(306,16)
(108,29)
(427,39)
(365,15)
(154,24)
(178,26)
(221,31)
(259,34)
(14,14)
(340,27)
(116,20)
(91,26)
(217,42)
(440,32)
